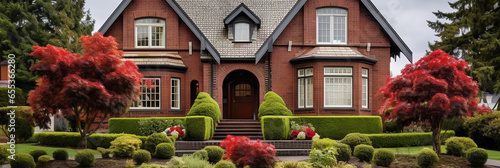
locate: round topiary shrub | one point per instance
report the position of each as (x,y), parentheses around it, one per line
(355,139)
(125,146)
(343,152)
(273,104)
(37,153)
(202,154)
(323,143)
(204,105)
(427,157)
(215,153)
(44,158)
(364,152)
(23,160)
(141,156)
(224,164)
(60,154)
(164,151)
(383,157)
(476,157)
(154,139)
(85,158)
(454,147)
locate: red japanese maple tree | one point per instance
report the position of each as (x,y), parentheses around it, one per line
(90,86)
(433,89)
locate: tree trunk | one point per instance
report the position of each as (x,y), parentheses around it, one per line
(84,142)
(436,139)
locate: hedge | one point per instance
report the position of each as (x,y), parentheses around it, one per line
(131,125)
(198,128)
(73,139)
(405,139)
(275,127)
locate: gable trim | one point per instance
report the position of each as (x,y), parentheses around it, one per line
(112,18)
(242,8)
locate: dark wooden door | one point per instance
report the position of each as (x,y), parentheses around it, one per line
(242,101)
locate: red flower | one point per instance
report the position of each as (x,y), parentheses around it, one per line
(294,133)
(178,129)
(310,133)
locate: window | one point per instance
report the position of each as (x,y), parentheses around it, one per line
(305,90)
(331,24)
(338,87)
(150,95)
(149,33)
(175,101)
(243,90)
(241,32)
(364,92)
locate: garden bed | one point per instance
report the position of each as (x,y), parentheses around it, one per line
(108,163)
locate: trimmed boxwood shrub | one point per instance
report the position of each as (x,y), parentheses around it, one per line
(104,140)
(202,154)
(44,158)
(60,154)
(477,157)
(85,158)
(131,125)
(405,139)
(355,139)
(204,105)
(198,128)
(343,152)
(72,139)
(164,151)
(364,152)
(125,146)
(323,143)
(214,153)
(37,153)
(141,156)
(224,164)
(273,104)
(454,147)
(427,157)
(152,166)
(23,160)
(296,164)
(337,127)
(155,139)
(275,127)
(383,157)
(105,153)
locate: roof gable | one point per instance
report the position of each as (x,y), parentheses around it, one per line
(242,8)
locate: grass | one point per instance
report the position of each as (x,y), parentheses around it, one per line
(492,154)
(27,147)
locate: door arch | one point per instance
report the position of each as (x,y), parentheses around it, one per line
(240,95)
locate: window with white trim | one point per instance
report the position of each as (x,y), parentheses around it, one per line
(331,26)
(149,33)
(241,32)
(338,86)
(150,97)
(175,101)
(305,88)
(364,92)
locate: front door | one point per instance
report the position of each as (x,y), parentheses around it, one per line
(242,100)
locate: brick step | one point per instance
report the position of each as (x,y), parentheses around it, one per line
(279,152)
(195,145)
(239,123)
(238,129)
(238,126)
(221,137)
(279,144)
(236,133)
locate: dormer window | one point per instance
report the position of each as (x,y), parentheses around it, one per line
(242,24)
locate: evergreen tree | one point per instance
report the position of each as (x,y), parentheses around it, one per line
(472,33)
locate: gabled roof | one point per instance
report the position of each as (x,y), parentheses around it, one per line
(242,8)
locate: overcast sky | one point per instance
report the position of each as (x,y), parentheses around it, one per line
(407,17)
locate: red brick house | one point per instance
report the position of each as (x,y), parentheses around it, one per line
(324,57)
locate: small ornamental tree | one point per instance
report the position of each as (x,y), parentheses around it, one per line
(273,104)
(89,87)
(433,89)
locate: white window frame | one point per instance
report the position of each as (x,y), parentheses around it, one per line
(150,33)
(236,32)
(340,73)
(365,85)
(158,80)
(332,16)
(303,76)
(176,106)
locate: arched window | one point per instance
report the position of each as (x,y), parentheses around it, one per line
(149,33)
(331,26)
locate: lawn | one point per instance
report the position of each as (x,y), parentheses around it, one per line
(27,147)
(492,154)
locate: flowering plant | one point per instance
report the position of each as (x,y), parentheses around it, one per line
(175,131)
(244,152)
(302,131)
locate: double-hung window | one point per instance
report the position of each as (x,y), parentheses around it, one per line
(150,97)
(175,97)
(331,26)
(149,33)
(364,90)
(338,86)
(305,90)
(242,32)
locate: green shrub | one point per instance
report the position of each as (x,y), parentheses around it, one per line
(37,153)
(293,164)
(72,139)
(454,147)
(23,160)
(224,164)
(383,157)
(20,99)
(85,158)
(323,158)
(190,161)
(125,146)
(4,154)
(364,152)
(155,139)
(131,125)
(343,152)
(427,157)
(202,154)
(273,104)
(405,139)
(466,141)
(477,157)
(164,151)
(275,127)
(104,140)
(392,127)
(214,153)
(323,143)
(337,127)
(24,130)
(198,128)
(150,126)
(204,105)
(152,166)
(44,159)
(478,128)
(355,139)
(105,153)
(141,156)
(60,154)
